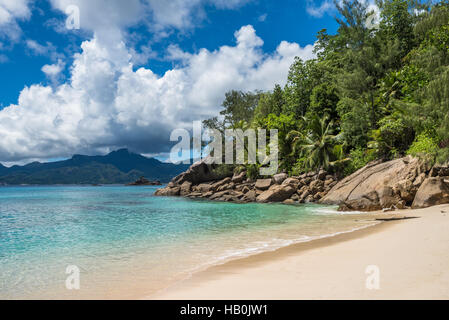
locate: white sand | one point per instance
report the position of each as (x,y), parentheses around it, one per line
(412,257)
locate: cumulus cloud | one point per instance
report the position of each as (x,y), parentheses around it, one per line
(54,71)
(106,104)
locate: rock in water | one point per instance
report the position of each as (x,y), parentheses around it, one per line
(168,192)
(144,182)
(433,191)
(186,187)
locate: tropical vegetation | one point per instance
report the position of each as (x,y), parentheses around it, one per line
(377,89)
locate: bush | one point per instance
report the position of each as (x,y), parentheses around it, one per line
(393,137)
(359,159)
(425,145)
(299,168)
(252,171)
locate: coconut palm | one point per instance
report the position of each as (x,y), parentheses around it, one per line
(316,143)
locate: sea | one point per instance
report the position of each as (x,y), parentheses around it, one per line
(117,242)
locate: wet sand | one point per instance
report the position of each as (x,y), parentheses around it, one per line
(410,256)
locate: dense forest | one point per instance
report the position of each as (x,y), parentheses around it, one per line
(377,89)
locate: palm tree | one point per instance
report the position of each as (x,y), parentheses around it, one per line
(316,143)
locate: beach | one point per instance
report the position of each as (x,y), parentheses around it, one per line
(408,259)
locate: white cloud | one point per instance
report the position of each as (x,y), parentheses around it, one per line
(328,7)
(54,71)
(319,11)
(106,105)
(183,14)
(48,49)
(13,9)
(111,16)
(262,17)
(10,12)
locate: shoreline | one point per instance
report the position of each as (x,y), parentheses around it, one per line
(410,255)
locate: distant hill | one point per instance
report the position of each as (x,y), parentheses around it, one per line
(119,166)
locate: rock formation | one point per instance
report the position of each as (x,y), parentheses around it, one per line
(201,181)
(395,184)
(389,185)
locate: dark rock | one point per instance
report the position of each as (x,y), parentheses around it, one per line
(144,182)
(322,175)
(200,172)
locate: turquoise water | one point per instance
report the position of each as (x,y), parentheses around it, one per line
(128,243)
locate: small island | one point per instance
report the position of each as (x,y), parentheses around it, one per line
(142,181)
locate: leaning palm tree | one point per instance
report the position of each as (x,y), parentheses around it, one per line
(316,143)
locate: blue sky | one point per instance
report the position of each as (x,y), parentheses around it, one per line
(137,65)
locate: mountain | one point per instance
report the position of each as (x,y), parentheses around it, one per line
(119,166)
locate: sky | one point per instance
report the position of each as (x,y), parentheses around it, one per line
(133,71)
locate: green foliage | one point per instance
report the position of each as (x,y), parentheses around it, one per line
(425,144)
(238,106)
(316,144)
(252,171)
(440,38)
(300,167)
(359,158)
(284,124)
(393,137)
(270,102)
(355,122)
(324,100)
(224,170)
(302,78)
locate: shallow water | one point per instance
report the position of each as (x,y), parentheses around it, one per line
(129,244)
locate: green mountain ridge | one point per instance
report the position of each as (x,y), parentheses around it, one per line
(117,167)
